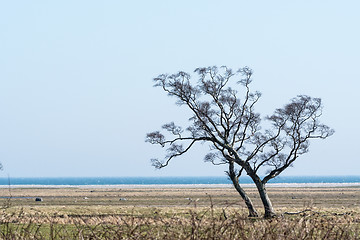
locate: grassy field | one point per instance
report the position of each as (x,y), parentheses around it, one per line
(170,213)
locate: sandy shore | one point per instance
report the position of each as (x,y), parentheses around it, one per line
(184,186)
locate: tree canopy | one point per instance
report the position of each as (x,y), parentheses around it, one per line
(237,134)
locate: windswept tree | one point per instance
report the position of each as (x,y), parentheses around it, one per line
(234,131)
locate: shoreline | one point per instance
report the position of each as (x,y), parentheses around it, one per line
(184,186)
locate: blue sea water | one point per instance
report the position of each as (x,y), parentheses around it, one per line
(169,180)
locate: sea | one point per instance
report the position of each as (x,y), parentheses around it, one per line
(87,181)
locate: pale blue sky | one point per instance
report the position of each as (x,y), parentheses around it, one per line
(76,95)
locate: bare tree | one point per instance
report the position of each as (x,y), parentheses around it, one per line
(232,127)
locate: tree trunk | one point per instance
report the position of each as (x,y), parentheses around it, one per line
(235,180)
(269,210)
(249,204)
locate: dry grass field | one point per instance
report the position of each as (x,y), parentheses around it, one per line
(174,213)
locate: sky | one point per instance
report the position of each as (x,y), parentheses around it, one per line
(76,89)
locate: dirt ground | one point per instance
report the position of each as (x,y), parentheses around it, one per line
(168,213)
(346,197)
